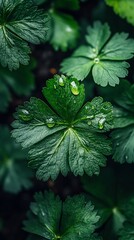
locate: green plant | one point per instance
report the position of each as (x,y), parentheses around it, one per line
(20,23)
(104,56)
(55,219)
(70,138)
(125,8)
(80,136)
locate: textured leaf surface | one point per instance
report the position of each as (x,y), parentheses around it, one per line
(124,8)
(122,97)
(123,136)
(20,22)
(66,137)
(51,218)
(104,56)
(14,174)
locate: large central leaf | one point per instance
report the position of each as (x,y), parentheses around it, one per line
(66,137)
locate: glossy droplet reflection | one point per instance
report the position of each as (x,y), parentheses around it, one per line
(89,123)
(101,123)
(74,88)
(61,82)
(96,60)
(50,123)
(90,117)
(25,115)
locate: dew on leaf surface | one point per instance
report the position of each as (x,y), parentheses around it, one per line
(50,123)
(74,88)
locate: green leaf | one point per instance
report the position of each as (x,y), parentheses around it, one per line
(123,135)
(66,137)
(14,174)
(124,8)
(122,97)
(127,232)
(20,22)
(98,35)
(104,56)
(110,198)
(51,218)
(65,31)
(123,140)
(21,82)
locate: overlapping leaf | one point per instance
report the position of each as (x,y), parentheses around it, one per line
(65,31)
(14,174)
(66,137)
(20,22)
(51,218)
(104,56)
(127,232)
(123,136)
(124,8)
(109,192)
(64,28)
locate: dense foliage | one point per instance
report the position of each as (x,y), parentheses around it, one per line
(67,122)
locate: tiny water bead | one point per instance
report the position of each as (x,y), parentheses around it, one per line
(90,117)
(126,157)
(50,123)
(74,88)
(89,123)
(94,50)
(101,123)
(25,115)
(61,82)
(96,60)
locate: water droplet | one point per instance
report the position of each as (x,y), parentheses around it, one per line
(94,50)
(25,115)
(68,29)
(50,123)
(90,117)
(61,82)
(126,157)
(74,88)
(101,123)
(96,60)
(54,86)
(86,107)
(117,144)
(89,123)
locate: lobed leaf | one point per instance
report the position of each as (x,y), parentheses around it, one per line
(103,56)
(124,8)
(51,218)
(66,137)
